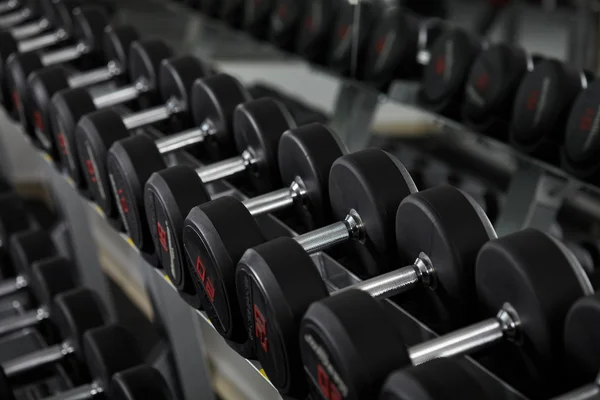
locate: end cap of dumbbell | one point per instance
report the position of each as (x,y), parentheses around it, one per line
(307,153)
(141,382)
(94,135)
(331,334)
(169,195)
(543,100)
(117,42)
(361,182)
(216,235)
(50,277)
(30,246)
(276,282)
(539,278)
(213,102)
(582,144)
(110,349)
(451,57)
(449,227)
(438,379)
(258,126)
(582,337)
(130,163)
(14,217)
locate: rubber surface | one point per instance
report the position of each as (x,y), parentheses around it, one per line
(141,382)
(361,181)
(314,37)
(50,277)
(14,217)
(285,22)
(30,246)
(276,282)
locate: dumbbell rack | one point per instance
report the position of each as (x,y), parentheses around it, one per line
(196,346)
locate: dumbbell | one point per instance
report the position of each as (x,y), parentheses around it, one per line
(170,194)
(285,23)
(67,107)
(19,12)
(305,156)
(541,108)
(443,81)
(579,155)
(447,229)
(211,104)
(43,84)
(314,38)
(107,350)
(528,279)
(139,383)
(398,47)
(73,313)
(492,86)
(255,17)
(88,27)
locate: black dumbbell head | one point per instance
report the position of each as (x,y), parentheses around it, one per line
(334,343)
(145,58)
(8,46)
(540,279)
(256,17)
(66,109)
(312,41)
(440,379)
(582,146)
(542,104)
(493,82)
(582,336)
(108,350)
(50,277)
(215,236)
(117,41)
(17,70)
(285,22)
(6,387)
(176,78)
(449,227)
(451,58)
(130,163)
(307,153)
(276,282)
(14,217)
(58,13)
(94,135)
(213,102)
(169,195)
(141,382)
(74,313)
(30,246)
(89,22)
(361,182)
(258,126)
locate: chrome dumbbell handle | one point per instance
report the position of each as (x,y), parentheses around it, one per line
(226,168)
(9,5)
(11,285)
(97,75)
(29,29)
(42,41)
(64,54)
(14,18)
(37,359)
(190,137)
(23,321)
(122,95)
(276,200)
(84,392)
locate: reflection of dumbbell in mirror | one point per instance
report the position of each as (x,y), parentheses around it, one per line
(67,107)
(170,194)
(211,104)
(227,225)
(255,17)
(444,245)
(73,313)
(43,84)
(285,23)
(527,279)
(443,81)
(88,28)
(541,108)
(314,38)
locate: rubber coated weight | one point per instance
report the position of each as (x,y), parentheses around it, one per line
(256,15)
(343,346)
(540,279)
(49,277)
(141,382)
(361,182)
(436,380)
(581,338)
(314,36)
(444,77)
(285,22)
(94,135)
(449,227)
(14,218)
(30,246)
(541,108)
(276,280)
(492,85)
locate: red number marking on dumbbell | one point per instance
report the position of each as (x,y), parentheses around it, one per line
(327,386)
(39,121)
(588,119)
(162,237)
(440,65)
(123,201)
(208,285)
(483,81)
(260,326)
(16,99)
(64,145)
(91,170)
(534,98)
